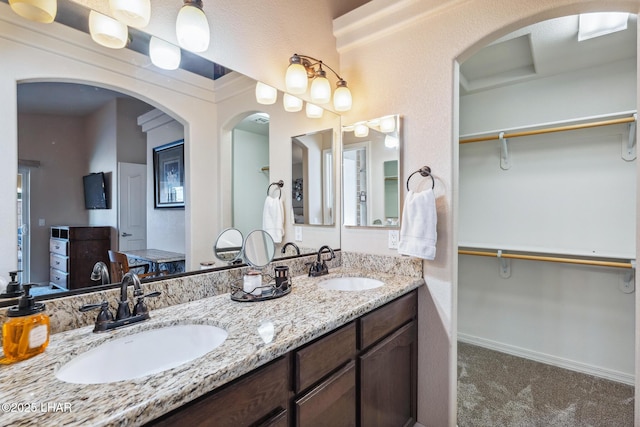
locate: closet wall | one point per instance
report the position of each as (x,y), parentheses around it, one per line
(567,193)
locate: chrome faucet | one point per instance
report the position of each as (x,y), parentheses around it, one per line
(319,267)
(284,248)
(100,272)
(105,320)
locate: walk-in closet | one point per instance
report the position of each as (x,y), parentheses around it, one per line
(547,228)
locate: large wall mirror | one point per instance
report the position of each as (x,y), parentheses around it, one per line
(370,173)
(142,108)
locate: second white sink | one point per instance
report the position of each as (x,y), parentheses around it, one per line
(352,284)
(141,354)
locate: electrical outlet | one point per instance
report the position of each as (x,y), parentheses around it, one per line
(394,236)
(298,234)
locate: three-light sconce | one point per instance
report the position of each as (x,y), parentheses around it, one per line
(301,70)
(192,27)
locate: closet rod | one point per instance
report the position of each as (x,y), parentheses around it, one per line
(551,130)
(549,259)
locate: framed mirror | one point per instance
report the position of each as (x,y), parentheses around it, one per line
(258,249)
(371,173)
(312,175)
(228,246)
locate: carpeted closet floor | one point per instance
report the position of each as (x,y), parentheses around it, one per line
(497,389)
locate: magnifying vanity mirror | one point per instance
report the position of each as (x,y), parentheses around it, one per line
(371,171)
(228,246)
(258,249)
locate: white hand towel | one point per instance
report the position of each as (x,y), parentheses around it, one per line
(273,218)
(418,229)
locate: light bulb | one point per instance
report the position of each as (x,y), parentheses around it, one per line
(192,29)
(134,13)
(361,130)
(387,124)
(313,111)
(106,31)
(320,89)
(266,94)
(164,54)
(291,103)
(342,99)
(296,78)
(35,10)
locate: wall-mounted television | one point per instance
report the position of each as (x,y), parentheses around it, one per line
(95,193)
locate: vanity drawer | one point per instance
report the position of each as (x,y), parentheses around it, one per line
(58,278)
(381,322)
(59,246)
(59,262)
(321,357)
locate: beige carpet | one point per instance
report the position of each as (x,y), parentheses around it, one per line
(497,389)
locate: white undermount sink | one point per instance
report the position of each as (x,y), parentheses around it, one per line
(350,284)
(145,353)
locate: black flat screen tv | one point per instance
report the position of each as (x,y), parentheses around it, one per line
(95,194)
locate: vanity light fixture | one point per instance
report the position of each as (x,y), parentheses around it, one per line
(192,27)
(387,124)
(134,13)
(291,103)
(35,10)
(302,68)
(313,111)
(106,31)
(361,130)
(164,54)
(391,141)
(266,94)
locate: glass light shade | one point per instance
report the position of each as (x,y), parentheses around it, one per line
(296,79)
(320,90)
(388,124)
(134,13)
(313,111)
(291,103)
(361,130)
(266,94)
(164,54)
(192,29)
(342,100)
(35,10)
(106,31)
(391,142)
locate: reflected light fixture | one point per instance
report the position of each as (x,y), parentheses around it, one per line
(291,103)
(35,10)
(302,68)
(313,111)
(164,54)
(192,27)
(361,130)
(391,141)
(134,13)
(106,31)
(600,24)
(266,94)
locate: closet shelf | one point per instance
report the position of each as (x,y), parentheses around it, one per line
(561,258)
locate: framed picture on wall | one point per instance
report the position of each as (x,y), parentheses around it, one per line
(168,175)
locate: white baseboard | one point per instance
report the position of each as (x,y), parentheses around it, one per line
(572,365)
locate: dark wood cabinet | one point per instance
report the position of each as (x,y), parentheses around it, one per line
(73,251)
(260,398)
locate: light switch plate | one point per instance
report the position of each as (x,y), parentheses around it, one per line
(297,231)
(394,236)
(41,222)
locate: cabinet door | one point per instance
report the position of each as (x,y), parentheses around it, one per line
(260,398)
(388,380)
(332,403)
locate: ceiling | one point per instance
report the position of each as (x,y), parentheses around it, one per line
(542,50)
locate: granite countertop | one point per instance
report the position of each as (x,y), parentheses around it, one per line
(30,394)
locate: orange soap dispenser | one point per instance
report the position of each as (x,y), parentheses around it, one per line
(26,332)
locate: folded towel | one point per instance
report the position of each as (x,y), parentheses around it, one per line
(273,218)
(418,229)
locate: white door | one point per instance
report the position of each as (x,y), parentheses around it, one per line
(132,203)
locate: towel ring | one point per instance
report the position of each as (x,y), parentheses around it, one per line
(279,184)
(425,171)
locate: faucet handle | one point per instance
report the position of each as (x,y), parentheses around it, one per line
(104,315)
(141,308)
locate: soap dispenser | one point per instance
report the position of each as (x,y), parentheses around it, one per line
(13,289)
(26,332)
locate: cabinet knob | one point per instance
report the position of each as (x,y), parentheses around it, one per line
(126,234)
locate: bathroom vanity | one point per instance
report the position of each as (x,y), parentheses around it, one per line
(336,355)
